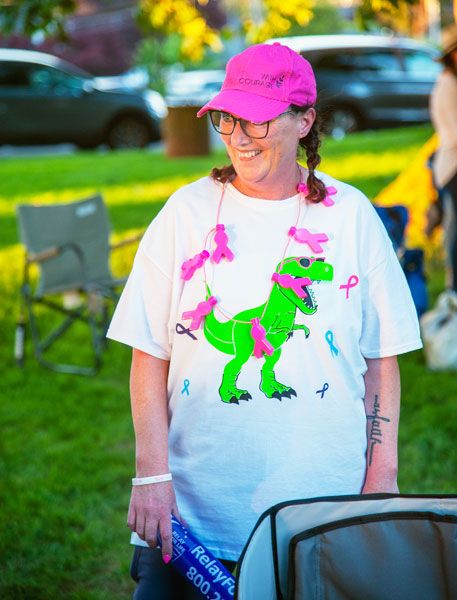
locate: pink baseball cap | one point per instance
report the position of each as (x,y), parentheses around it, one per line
(262,82)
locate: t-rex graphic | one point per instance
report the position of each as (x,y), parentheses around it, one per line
(277,316)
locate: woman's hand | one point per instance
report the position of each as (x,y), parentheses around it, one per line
(150,510)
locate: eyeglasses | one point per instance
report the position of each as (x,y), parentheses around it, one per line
(225,124)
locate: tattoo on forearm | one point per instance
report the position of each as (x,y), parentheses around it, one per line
(375,430)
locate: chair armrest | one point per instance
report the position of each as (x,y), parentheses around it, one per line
(127,241)
(53,252)
(37,257)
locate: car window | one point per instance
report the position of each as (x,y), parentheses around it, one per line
(38,78)
(420,65)
(212,87)
(45,79)
(384,63)
(13,74)
(335,62)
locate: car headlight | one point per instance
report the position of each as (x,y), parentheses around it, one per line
(156,103)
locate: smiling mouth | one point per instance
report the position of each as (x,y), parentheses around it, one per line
(248,155)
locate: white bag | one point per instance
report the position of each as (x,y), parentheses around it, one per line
(439,333)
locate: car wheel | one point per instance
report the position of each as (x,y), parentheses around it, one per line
(128,132)
(341,121)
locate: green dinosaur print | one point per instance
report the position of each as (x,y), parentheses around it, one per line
(278,319)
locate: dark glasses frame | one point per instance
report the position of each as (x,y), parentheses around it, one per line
(243,123)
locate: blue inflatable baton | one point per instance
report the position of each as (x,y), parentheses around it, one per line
(199,566)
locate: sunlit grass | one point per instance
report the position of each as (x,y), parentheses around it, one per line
(363,165)
(154,191)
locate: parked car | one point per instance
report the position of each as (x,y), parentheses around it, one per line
(193,88)
(136,78)
(44,99)
(369,81)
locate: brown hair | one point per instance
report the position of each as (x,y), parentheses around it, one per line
(308,145)
(448,62)
(223,174)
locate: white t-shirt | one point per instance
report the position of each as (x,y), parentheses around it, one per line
(231,461)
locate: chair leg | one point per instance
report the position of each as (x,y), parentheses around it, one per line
(40,346)
(97,340)
(19,342)
(20,333)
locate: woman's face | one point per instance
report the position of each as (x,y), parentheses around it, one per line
(263,165)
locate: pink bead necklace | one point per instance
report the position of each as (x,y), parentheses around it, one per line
(219,236)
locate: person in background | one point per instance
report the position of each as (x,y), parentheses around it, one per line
(266,308)
(443,107)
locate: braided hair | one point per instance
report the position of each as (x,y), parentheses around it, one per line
(224,174)
(449,63)
(308,145)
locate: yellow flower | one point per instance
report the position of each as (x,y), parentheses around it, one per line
(181,16)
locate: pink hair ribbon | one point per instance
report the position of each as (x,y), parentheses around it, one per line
(302,188)
(331,191)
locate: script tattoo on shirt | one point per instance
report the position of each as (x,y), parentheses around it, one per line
(375,430)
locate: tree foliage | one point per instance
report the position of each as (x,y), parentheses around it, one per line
(258,21)
(186,29)
(169,17)
(276,18)
(26,17)
(327,18)
(392,14)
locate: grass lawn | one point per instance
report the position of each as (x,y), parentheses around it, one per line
(66,445)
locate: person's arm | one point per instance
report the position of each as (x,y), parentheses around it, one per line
(382,407)
(151,505)
(447,106)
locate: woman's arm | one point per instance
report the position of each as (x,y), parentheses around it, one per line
(382,407)
(151,505)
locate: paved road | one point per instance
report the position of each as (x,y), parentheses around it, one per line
(59,149)
(66,149)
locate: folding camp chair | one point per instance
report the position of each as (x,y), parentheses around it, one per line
(367,547)
(395,220)
(70,245)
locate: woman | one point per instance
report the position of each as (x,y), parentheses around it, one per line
(444,116)
(265,308)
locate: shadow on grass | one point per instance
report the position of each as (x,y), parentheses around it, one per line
(22,177)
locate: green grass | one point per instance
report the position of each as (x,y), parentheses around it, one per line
(66,444)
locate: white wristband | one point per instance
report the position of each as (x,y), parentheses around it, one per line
(153,479)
